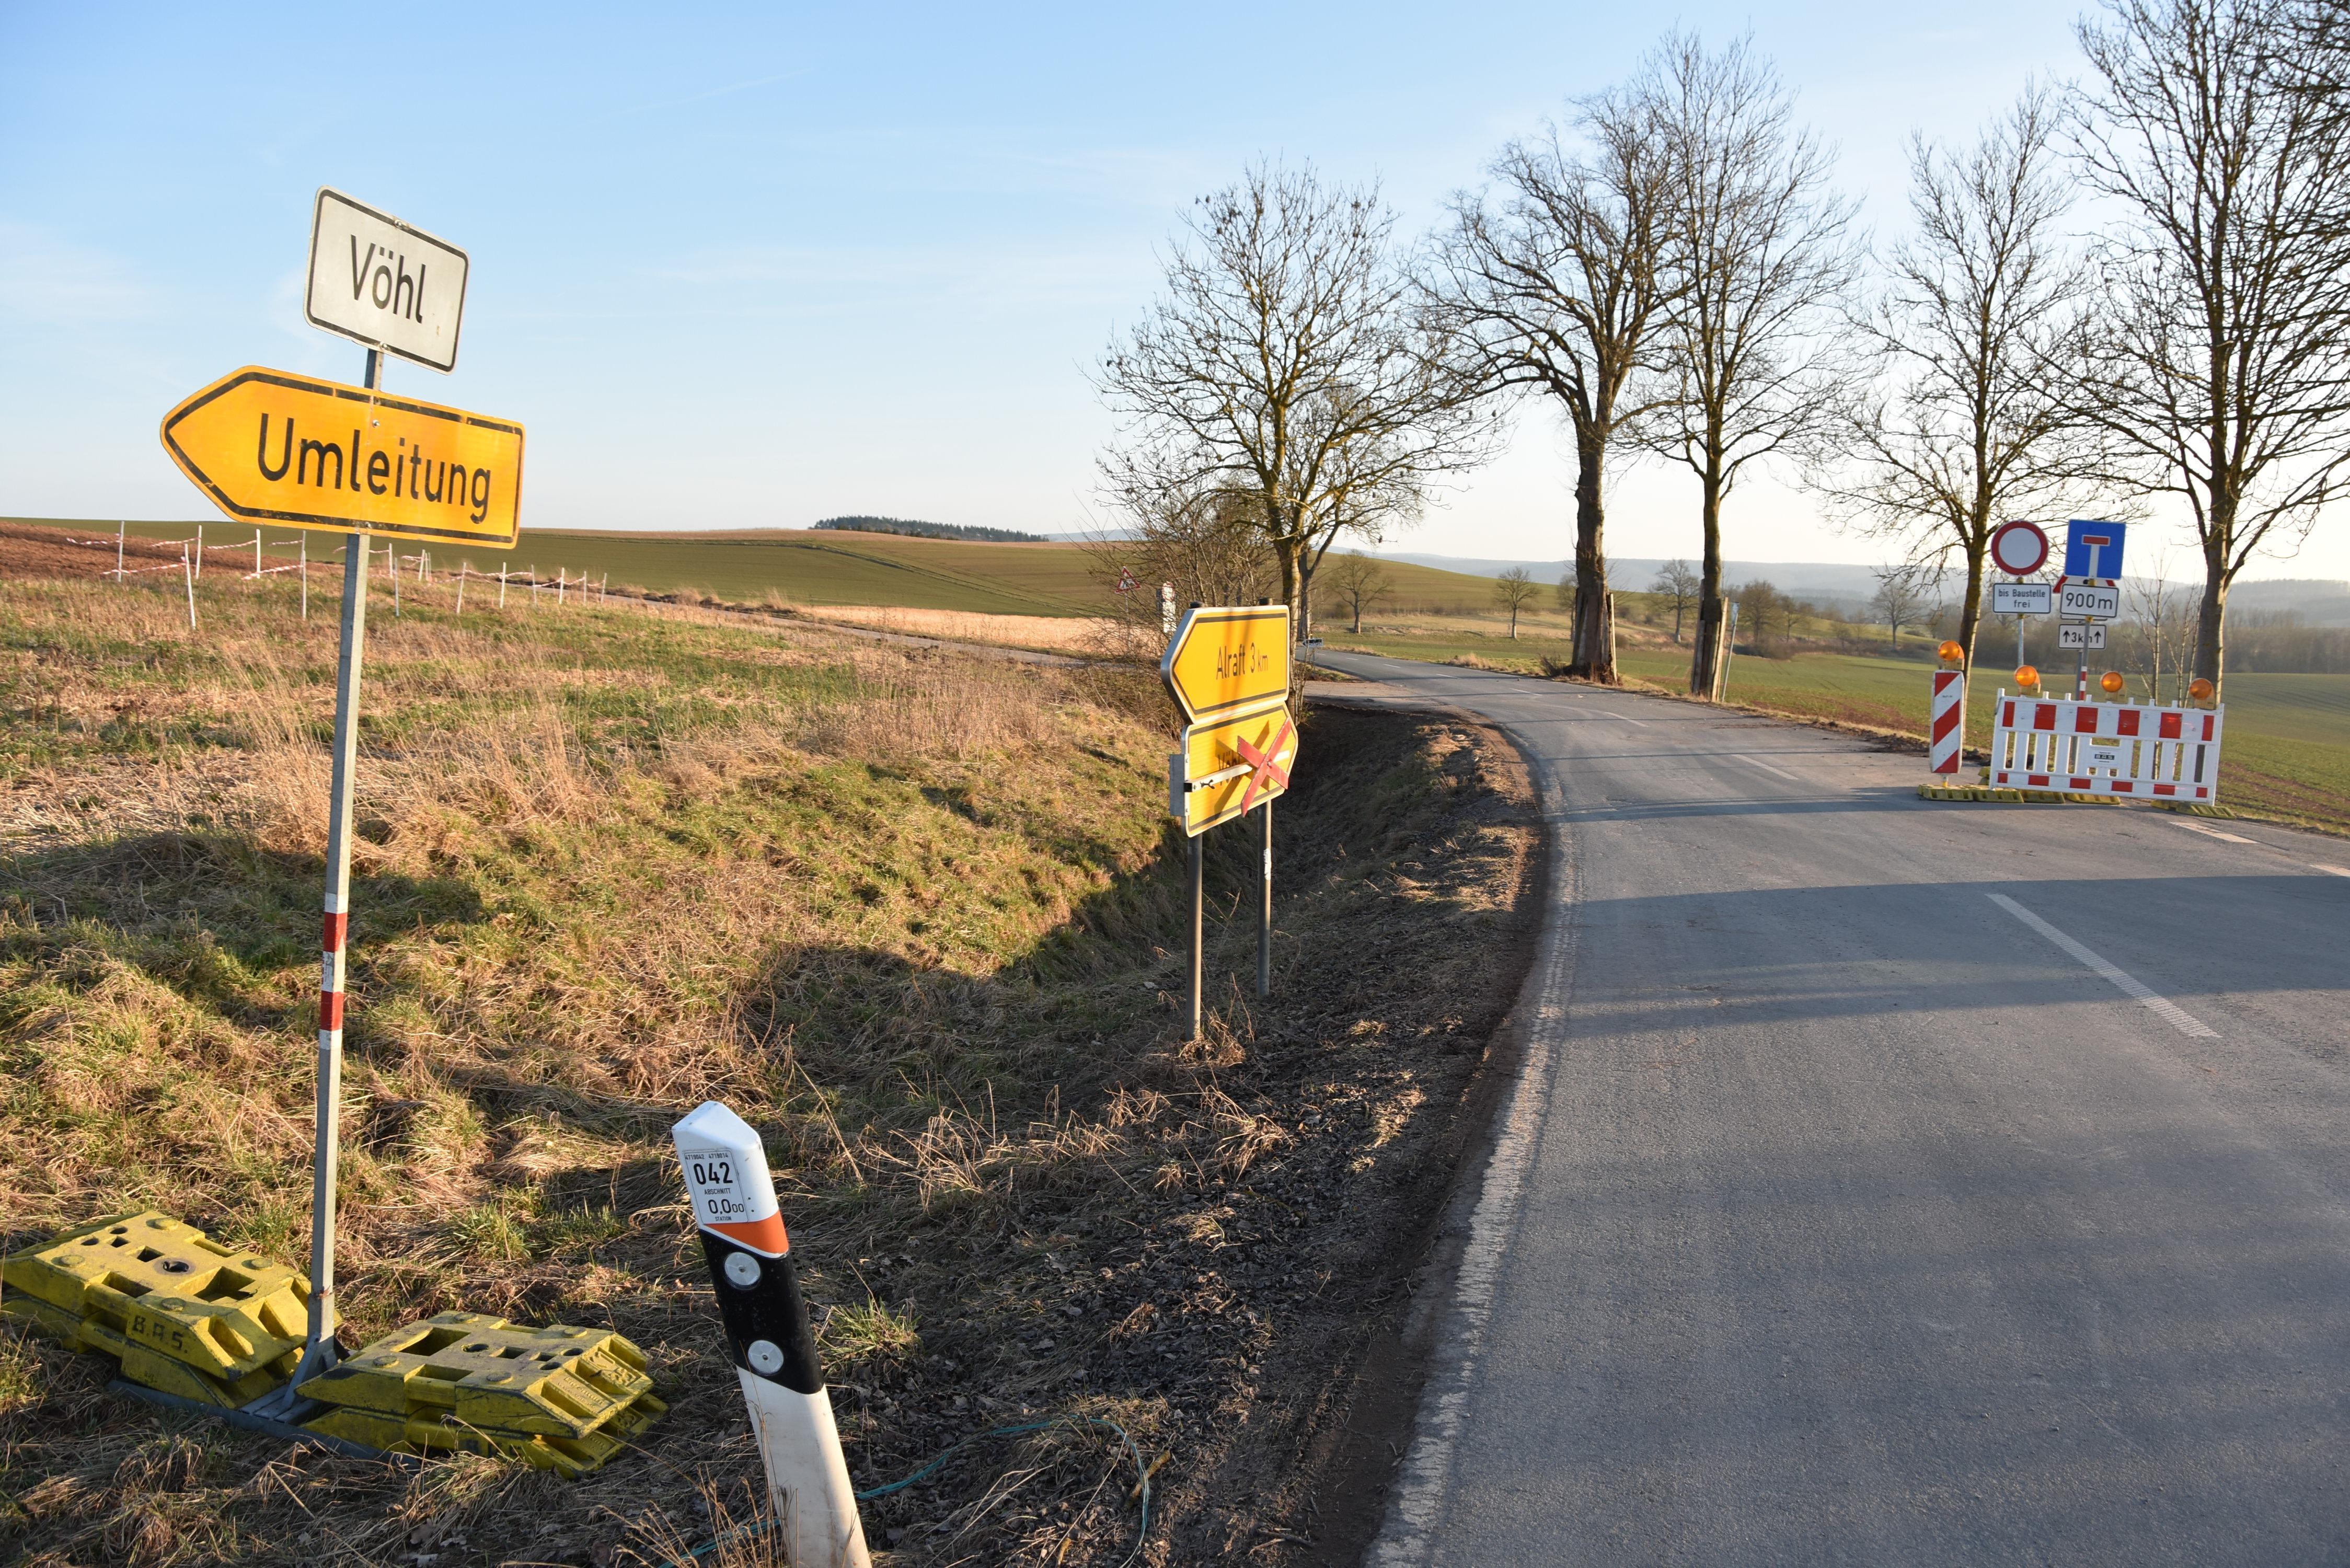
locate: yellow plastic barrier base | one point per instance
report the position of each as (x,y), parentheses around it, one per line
(181,1313)
(567,1457)
(2062,797)
(189,1318)
(559,1397)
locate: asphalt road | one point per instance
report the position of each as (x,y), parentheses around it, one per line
(1893,1182)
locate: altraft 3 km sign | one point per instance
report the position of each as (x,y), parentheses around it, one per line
(386,282)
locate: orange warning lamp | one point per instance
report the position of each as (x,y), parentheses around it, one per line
(2111,680)
(1952,653)
(2200,689)
(2027,676)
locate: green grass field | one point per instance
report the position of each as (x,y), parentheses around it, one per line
(2287,753)
(810,567)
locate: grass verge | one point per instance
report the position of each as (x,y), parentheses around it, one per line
(913,914)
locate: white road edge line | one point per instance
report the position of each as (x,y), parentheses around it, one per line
(1768,769)
(2212,832)
(2337,871)
(2128,984)
(1417,1505)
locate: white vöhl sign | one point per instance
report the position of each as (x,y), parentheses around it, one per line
(385,283)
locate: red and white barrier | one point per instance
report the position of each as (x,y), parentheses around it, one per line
(2106,748)
(1946,724)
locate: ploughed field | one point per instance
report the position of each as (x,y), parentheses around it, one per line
(914,913)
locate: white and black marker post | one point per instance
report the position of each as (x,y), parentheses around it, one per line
(767,1334)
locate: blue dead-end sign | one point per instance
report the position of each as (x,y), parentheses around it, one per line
(2094,549)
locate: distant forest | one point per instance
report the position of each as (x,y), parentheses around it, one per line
(933,530)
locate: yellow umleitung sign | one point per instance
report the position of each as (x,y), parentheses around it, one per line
(1228,658)
(273,447)
(1231,765)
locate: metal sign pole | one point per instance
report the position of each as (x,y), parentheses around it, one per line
(1264,911)
(320,1350)
(1197,865)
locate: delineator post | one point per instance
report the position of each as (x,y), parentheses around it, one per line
(1946,724)
(767,1332)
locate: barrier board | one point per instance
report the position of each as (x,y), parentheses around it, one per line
(2106,748)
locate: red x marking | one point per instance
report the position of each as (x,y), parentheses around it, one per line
(1269,770)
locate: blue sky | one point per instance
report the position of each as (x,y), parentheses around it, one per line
(755,267)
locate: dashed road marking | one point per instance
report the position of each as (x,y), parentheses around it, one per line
(1767,768)
(2212,832)
(2130,985)
(2337,871)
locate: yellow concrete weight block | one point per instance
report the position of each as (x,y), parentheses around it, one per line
(486,1373)
(173,1290)
(437,1432)
(138,1364)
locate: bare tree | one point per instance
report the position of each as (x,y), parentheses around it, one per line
(1360,582)
(2165,624)
(1760,252)
(1761,606)
(1679,582)
(1964,430)
(1513,590)
(1205,542)
(1902,597)
(2221,362)
(1557,279)
(1289,360)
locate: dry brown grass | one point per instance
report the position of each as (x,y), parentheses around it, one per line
(1053,634)
(909,911)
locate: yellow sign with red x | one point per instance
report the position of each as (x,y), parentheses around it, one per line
(1228,766)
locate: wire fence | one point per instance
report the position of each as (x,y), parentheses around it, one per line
(406,576)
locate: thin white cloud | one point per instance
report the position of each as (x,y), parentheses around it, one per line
(52,280)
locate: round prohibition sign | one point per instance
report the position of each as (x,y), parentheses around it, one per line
(2019,549)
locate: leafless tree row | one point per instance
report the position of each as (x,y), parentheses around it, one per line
(1672,272)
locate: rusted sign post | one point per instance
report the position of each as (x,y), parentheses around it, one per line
(1228,669)
(268,446)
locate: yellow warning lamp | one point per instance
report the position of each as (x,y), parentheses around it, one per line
(2200,689)
(2112,681)
(1952,653)
(2027,677)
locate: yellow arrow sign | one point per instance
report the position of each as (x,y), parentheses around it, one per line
(280,448)
(1230,765)
(1226,659)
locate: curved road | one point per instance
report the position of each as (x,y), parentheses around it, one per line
(1892,1182)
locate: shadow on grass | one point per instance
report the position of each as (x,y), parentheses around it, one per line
(212,914)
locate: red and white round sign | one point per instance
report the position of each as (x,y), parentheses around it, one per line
(2018,548)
